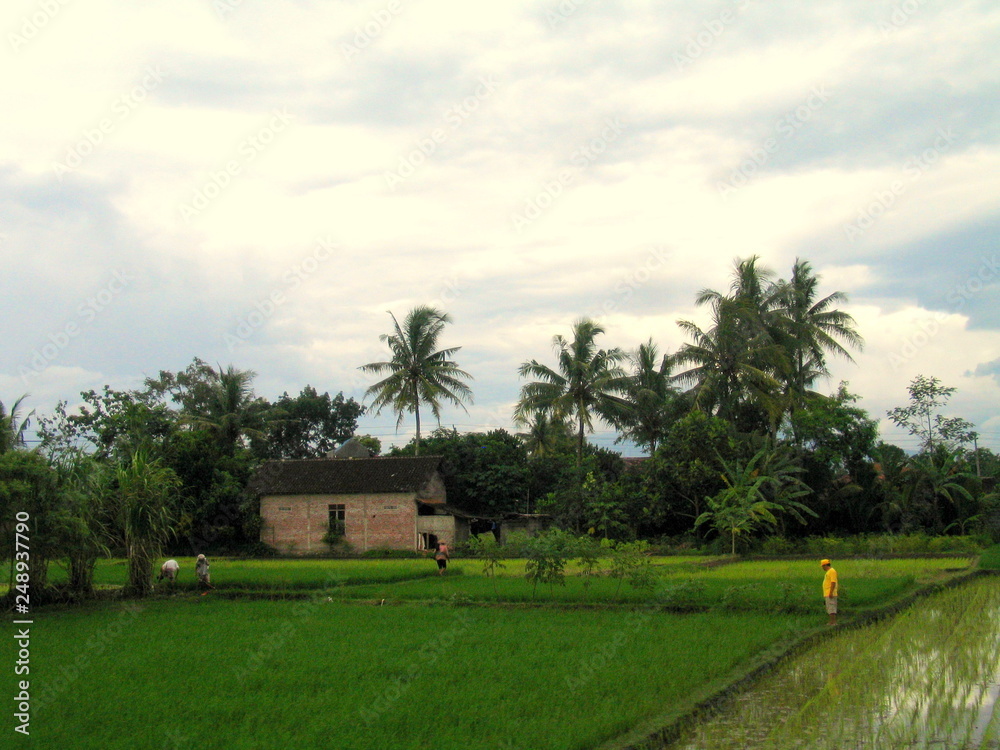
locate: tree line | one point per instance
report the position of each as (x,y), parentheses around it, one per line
(738,441)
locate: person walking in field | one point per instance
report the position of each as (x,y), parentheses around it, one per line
(201,569)
(169,571)
(830,591)
(441,554)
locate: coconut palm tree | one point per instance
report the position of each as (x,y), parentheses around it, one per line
(232,411)
(809,329)
(587,381)
(418,372)
(651,399)
(733,364)
(544,434)
(13,425)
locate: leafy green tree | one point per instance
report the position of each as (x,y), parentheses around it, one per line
(232,413)
(835,442)
(82,483)
(732,365)
(484,473)
(586,382)
(810,327)
(547,554)
(546,435)
(309,425)
(12,425)
(605,511)
(192,390)
(942,474)
(418,372)
(630,562)
(652,403)
(145,489)
(685,469)
(754,495)
(114,424)
(29,494)
(921,417)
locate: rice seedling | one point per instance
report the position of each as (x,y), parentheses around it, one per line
(929,678)
(211,673)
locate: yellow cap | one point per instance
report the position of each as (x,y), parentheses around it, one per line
(824,562)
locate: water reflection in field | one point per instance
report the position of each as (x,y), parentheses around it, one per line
(928,678)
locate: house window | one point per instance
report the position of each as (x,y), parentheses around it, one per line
(338,520)
(428,541)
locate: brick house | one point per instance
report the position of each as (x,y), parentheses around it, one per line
(396,503)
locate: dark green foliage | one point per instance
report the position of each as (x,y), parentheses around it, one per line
(547,555)
(309,425)
(687,469)
(484,473)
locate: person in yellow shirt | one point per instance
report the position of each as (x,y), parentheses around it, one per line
(830,590)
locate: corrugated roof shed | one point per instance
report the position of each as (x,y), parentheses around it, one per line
(359,476)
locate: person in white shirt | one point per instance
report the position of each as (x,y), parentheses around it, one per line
(169,571)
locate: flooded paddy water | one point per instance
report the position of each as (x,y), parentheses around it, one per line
(926,678)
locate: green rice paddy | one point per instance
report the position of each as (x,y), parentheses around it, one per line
(387,654)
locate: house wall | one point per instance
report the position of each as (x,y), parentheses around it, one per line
(296,524)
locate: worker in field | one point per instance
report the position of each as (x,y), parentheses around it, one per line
(169,571)
(830,590)
(201,569)
(441,554)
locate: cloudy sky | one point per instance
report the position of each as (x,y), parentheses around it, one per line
(258,183)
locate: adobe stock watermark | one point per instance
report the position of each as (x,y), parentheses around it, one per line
(59,682)
(900,16)
(705,38)
(638,277)
(248,150)
(423,662)
(224,7)
(883,200)
(957,297)
(86,313)
(452,288)
(454,117)
(120,109)
(33,23)
(560,14)
(368,32)
(265,307)
(581,158)
(785,128)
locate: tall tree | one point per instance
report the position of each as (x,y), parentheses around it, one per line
(232,412)
(732,365)
(418,372)
(12,425)
(309,425)
(921,417)
(651,401)
(810,328)
(146,488)
(587,382)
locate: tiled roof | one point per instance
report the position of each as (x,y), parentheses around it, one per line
(358,476)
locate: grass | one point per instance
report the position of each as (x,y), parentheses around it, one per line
(209,673)
(330,670)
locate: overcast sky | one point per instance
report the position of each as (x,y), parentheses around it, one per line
(258,183)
